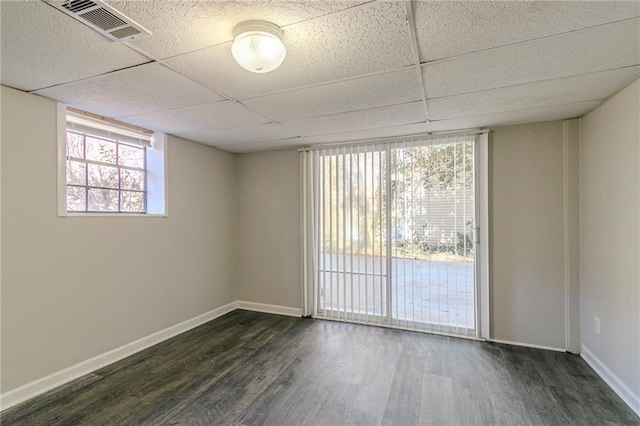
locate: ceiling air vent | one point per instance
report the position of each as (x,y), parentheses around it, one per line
(78,5)
(102,18)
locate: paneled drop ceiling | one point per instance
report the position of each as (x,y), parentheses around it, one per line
(355,69)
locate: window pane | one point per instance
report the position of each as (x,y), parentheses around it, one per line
(105,176)
(131,156)
(74,145)
(76,173)
(76,200)
(132,202)
(103,200)
(132,179)
(101,150)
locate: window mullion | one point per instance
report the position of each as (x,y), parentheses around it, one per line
(105,183)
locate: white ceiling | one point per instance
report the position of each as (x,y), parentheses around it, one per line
(355,69)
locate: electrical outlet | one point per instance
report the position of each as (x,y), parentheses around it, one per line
(596,325)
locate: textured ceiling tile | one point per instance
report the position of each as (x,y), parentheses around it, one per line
(197,119)
(328,41)
(247,134)
(363,40)
(382,132)
(361,93)
(359,120)
(42,46)
(277,145)
(587,87)
(183,26)
(512,118)
(139,90)
(449,28)
(598,49)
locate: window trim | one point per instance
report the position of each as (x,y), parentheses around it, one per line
(159,148)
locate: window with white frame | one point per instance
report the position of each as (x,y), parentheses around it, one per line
(110,168)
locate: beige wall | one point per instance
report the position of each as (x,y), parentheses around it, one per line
(527,234)
(74,288)
(269,253)
(610,234)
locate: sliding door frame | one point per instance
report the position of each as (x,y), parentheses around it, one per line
(481,237)
(310,188)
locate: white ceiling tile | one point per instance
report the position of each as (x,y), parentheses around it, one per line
(277,145)
(368,134)
(42,46)
(240,135)
(387,116)
(361,93)
(197,119)
(598,49)
(139,90)
(346,75)
(362,40)
(512,118)
(182,26)
(449,28)
(586,87)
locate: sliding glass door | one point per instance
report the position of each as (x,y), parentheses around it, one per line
(352,279)
(393,231)
(432,223)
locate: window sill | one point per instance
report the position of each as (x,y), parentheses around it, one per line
(110,215)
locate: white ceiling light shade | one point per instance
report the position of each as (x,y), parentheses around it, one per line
(257,46)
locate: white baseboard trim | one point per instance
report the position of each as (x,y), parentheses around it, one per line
(269,309)
(37,387)
(527,345)
(623,391)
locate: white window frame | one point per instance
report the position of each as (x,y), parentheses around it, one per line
(156,168)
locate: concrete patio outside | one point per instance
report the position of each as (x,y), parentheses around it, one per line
(425,294)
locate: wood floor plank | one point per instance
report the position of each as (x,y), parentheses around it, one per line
(249,368)
(403,404)
(437,402)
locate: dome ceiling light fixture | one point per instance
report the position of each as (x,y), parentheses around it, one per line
(257,46)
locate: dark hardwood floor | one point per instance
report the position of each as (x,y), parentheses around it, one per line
(250,368)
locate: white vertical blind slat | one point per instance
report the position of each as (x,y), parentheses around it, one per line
(366,229)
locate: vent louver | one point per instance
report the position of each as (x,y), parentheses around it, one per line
(76,6)
(102,18)
(124,32)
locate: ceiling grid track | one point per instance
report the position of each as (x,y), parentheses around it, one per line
(164,64)
(522,109)
(88,78)
(561,65)
(327,82)
(226,97)
(416,55)
(532,82)
(525,42)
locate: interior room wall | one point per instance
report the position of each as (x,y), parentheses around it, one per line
(610,239)
(527,234)
(76,287)
(269,253)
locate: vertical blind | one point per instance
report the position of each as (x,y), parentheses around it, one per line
(389,234)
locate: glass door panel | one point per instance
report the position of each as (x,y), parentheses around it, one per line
(395,235)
